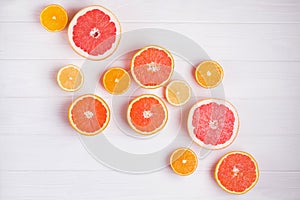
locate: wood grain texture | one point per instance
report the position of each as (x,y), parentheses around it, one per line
(214,11)
(53,185)
(256,42)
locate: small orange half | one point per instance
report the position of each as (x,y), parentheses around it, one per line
(54,18)
(116,80)
(178,92)
(183,161)
(70,78)
(209,74)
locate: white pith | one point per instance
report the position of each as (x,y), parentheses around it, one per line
(94,31)
(208,73)
(153,67)
(213,124)
(235,171)
(147,114)
(88,114)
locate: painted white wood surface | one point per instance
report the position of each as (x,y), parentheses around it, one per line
(256,41)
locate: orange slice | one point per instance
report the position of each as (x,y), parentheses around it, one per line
(178,93)
(152,66)
(237,172)
(89,114)
(183,161)
(147,114)
(209,74)
(70,78)
(116,80)
(54,18)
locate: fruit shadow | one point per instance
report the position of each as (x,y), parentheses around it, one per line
(67,100)
(126,59)
(123,125)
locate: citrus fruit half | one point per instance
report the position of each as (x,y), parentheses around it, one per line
(213,123)
(209,74)
(147,114)
(152,66)
(69,78)
(94,32)
(237,172)
(89,114)
(183,161)
(54,18)
(116,80)
(178,92)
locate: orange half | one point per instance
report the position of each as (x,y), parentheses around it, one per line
(183,161)
(178,92)
(70,78)
(209,74)
(116,80)
(54,18)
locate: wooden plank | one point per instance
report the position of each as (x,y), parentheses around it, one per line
(214,11)
(257,116)
(53,185)
(37,78)
(64,152)
(259,42)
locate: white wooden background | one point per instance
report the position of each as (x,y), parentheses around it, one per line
(256,41)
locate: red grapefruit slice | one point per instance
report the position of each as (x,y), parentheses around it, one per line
(237,172)
(213,123)
(94,32)
(152,66)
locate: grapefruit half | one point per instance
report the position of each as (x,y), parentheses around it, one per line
(94,32)
(147,114)
(152,66)
(213,123)
(89,114)
(237,172)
